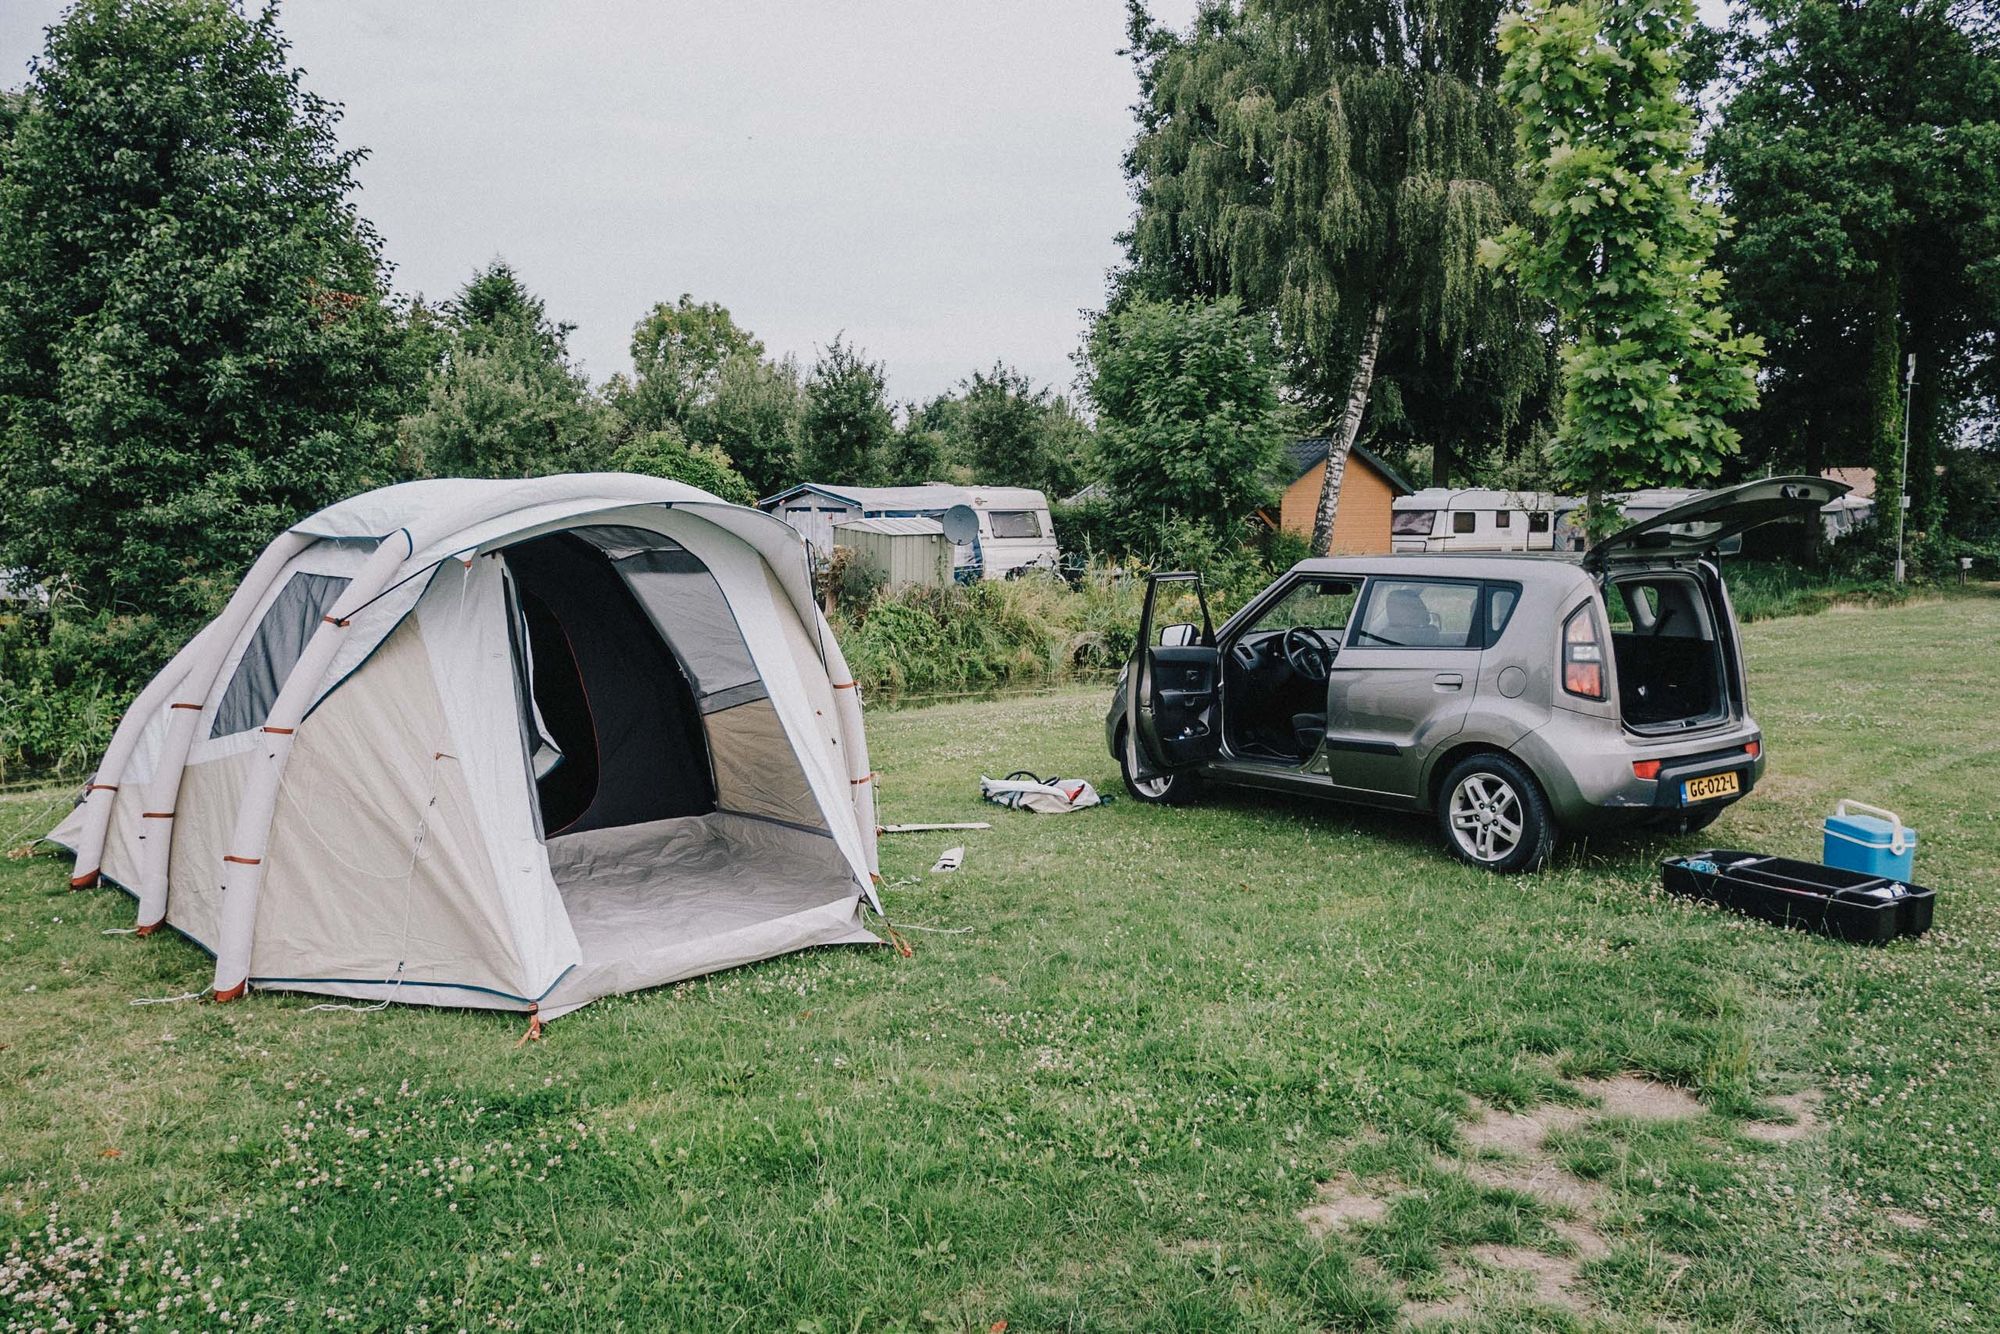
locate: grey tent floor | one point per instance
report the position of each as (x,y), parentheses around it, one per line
(656,903)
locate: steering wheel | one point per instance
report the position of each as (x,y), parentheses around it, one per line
(1308,653)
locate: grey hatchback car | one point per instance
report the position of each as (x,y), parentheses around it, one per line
(1518,697)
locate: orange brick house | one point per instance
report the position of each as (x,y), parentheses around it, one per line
(1368,487)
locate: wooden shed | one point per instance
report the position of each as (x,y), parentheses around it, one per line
(1368,488)
(902,551)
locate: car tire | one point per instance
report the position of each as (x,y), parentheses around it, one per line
(1166,790)
(1491,814)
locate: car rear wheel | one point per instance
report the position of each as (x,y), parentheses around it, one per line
(1492,813)
(1166,790)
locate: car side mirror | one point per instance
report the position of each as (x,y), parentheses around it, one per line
(1178,636)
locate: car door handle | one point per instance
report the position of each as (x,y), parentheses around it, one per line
(1448,680)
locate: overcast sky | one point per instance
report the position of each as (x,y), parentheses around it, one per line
(938,179)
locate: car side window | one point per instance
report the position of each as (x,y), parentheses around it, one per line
(1323,604)
(1500,600)
(1410,613)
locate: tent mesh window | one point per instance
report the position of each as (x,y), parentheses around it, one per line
(274,650)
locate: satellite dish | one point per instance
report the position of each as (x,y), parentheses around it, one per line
(960,524)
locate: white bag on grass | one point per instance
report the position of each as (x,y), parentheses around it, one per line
(1054,796)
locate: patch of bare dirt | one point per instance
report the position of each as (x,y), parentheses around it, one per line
(1803,1108)
(1517,1132)
(1540,1177)
(1909,1222)
(1552,1278)
(1641,1099)
(1341,1203)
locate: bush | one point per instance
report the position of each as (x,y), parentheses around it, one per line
(64,680)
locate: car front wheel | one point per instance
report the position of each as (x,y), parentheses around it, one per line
(1166,790)
(1492,813)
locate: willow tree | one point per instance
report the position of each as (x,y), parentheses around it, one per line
(1335,165)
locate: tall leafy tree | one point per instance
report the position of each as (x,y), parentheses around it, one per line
(1859,148)
(504,399)
(1188,417)
(1337,165)
(753,411)
(848,432)
(678,353)
(1001,429)
(196,346)
(1621,245)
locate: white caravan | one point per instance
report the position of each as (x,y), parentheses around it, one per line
(995,531)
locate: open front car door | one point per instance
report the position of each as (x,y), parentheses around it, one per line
(1172,700)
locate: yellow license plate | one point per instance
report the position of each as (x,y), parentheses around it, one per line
(1711,787)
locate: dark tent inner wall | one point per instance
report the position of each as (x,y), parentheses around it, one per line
(611,695)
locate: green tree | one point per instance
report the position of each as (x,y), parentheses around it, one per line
(196,345)
(1336,165)
(678,353)
(1621,246)
(753,411)
(848,432)
(503,399)
(1188,419)
(1859,151)
(668,453)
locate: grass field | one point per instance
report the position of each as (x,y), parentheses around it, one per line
(1219,1068)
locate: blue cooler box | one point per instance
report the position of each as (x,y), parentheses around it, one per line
(1872,841)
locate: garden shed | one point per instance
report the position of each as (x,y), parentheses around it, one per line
(900,551)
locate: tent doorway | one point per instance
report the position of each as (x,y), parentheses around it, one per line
(639,701)
(613,721)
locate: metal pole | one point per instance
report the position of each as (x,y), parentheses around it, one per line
(1903,471)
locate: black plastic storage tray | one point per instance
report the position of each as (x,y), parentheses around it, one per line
(1801,894)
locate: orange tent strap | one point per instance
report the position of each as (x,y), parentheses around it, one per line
(86,881)
(233,992)
(243,861)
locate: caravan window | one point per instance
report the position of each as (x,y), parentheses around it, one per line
(1465,521)
(1538,521)
(1413,523)
(274,650)
(1016,523)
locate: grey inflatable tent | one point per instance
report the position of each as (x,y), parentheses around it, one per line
(511,744)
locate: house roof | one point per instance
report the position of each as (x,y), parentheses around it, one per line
(931,497)
(1310,452)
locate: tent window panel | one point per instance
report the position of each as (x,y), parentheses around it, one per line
(274,650)
(687,606)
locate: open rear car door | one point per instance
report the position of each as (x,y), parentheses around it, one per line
(1172,703)
(1701,523)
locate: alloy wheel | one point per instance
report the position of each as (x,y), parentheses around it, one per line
(1486,817)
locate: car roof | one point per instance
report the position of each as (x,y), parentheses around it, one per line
(1550,568)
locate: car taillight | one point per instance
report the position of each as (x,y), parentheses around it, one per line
(1583,656)
(1754,749)
(1645,768)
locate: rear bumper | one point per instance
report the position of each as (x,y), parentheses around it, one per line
(1589,780)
